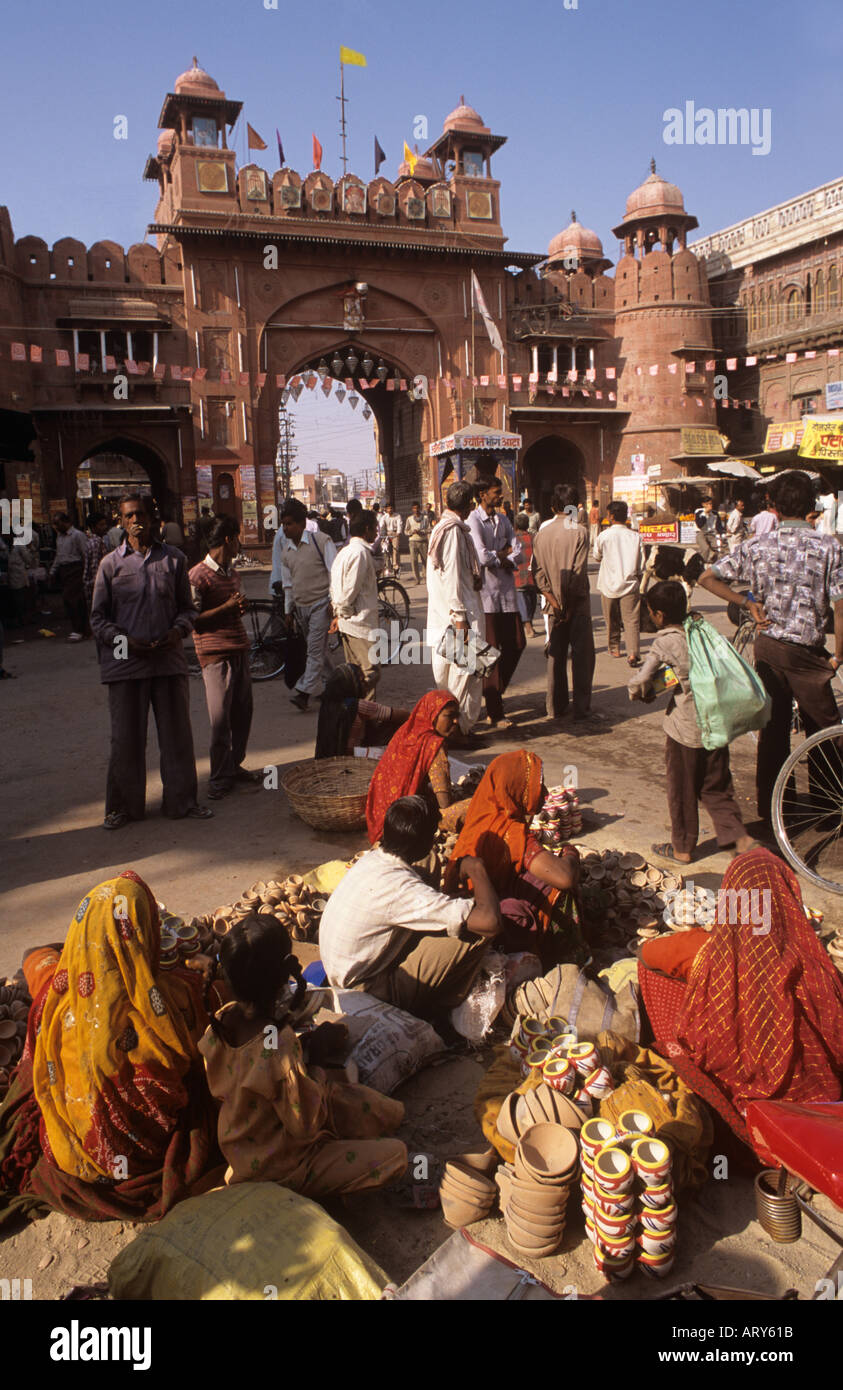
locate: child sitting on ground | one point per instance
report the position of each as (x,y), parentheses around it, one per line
(281,1120)
(694,774)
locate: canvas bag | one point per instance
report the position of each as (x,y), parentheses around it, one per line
(730,697)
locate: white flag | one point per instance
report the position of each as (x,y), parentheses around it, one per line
(479,303)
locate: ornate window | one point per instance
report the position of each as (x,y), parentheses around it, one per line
(220,413)
(833,287)
(819,292)
(794,305)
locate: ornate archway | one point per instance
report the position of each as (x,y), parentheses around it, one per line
(119,461)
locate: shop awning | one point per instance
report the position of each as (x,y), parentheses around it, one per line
(734,468)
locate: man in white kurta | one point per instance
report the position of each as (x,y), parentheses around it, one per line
(454,599)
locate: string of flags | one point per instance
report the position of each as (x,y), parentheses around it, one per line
(598,383)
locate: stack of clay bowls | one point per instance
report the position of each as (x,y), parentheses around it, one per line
(621,891)
(14,1011)
(467,1190)
(296,907)
(835,950)
(534,1192)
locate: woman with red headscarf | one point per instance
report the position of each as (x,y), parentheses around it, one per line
(762,1013)
(537,889)
(415,759)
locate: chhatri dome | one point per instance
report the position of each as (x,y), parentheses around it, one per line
(197,81)
(465,118)
(165,140)
(576,238)
(654,196)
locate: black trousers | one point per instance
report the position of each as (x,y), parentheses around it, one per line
(574,635)
(789,672)
(129,703)
(506,632)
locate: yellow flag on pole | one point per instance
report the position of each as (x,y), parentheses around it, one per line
(348,55)
(410,158)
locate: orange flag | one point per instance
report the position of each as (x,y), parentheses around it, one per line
(254,140)
(317,154)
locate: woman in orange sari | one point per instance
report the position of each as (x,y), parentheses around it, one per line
(537,889)
(762,1014)
(109,1112)
(415,758)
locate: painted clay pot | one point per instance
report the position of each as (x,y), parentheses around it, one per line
(654,1198)
(613,1169)
(560,1075)
(635,1122)
(585,1058)
(657,1266)
(651,1160)
(662,1219)
(658,1242)
(596,1134)
(599,1083)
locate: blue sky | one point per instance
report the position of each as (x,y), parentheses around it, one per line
(581,94)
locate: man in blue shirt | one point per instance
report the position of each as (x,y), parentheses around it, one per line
(498,550)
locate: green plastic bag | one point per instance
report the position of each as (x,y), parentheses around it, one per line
(729,695)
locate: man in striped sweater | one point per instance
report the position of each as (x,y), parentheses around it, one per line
(222,647)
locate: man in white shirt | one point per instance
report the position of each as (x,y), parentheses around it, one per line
(392,532)
(736,525)
(763,521)
(354,598)
(454,600)
(621,558)
(389,933)
(417,530)
(301,565)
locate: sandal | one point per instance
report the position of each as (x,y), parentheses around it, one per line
(634,660)
(615,651)
(198,813)
(115,820)
(665,851)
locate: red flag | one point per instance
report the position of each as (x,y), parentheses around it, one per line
(225,376)
(261,380)
(186,373)
(198,375)
(62,357)
(317,154)
(610,373)
(253,139)
(390,385)
(83,361)
(280,380)
(243,378)
(710,365)
(110,363)
(731,364)
(159,370)
(18,352)
(36,355)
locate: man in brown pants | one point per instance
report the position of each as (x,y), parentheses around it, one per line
(795,577)
(560,565)
(140,615)
(222,646)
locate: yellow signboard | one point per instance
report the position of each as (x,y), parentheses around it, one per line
(822,440)
(783,436)
(701,441)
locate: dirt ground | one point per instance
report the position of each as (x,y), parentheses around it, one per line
(55,746)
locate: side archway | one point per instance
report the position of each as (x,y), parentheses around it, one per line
(551,460)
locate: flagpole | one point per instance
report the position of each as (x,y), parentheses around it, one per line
(342,117)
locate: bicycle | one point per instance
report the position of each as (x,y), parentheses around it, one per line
(265,626)
(393,607)
(807,808)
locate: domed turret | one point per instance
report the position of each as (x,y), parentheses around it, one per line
(578,243)
(655,209)
(465,118)
(165,142)
(654,197)
(197,81)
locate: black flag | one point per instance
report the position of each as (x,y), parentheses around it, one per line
(380,156)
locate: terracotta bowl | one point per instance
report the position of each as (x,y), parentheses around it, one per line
(8,1029)
(463,1176)
(459,1212)
(536,1197)
(529,1243)
(452,1187)
(546,1152)
(506,1119)
(567,1113)
(485,1162)
(540,1223)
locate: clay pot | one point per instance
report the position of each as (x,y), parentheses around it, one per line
(293,882)
(484,1162)
(318,905)
(220,926)
(655,877)
(545,1227)
(546,1153)
(631,860)
(8,1029)
(463,1177)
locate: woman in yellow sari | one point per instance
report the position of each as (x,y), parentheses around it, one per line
(110,1086)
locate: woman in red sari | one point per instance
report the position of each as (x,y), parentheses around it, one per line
(537,889)
(762,1014)
(416,757)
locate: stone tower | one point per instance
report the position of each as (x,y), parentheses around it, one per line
(662,321)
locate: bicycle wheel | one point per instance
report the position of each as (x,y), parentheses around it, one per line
(264,623)
(393,604)
(808,809)
(744,642)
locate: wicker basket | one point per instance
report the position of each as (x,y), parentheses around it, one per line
(329,793)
